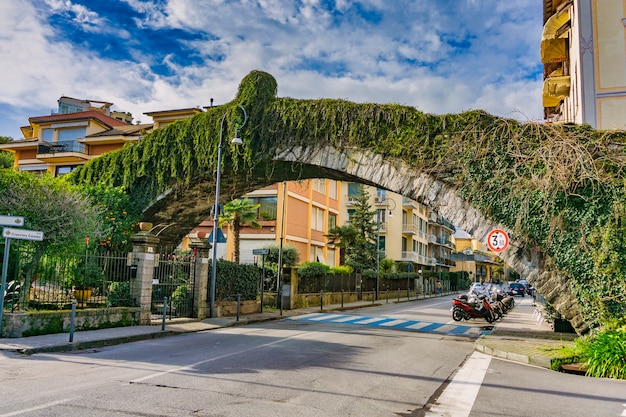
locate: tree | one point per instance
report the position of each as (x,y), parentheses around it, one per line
(6,158)
(342,237)
(59,210)
(237,214)
(362,254)
(120,214)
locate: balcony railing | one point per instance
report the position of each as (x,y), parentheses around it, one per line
(410,228)
(61,146)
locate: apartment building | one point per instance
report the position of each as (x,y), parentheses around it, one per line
(77,132)
(583,51)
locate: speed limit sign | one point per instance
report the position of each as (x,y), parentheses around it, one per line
(497,240)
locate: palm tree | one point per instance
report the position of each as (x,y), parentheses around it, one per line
(237,214)
(342,237)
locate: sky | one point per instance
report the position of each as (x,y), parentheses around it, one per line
(439,56)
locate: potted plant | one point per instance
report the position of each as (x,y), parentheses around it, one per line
(87,276)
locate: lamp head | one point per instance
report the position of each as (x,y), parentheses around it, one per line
(237,140)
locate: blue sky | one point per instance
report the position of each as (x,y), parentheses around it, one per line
(440,56)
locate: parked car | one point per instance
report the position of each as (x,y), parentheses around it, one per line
(516,288)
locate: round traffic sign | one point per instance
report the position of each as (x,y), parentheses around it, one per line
(497,240)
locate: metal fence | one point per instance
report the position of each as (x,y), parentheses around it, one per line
(51,282)
(174,278)
(327,283)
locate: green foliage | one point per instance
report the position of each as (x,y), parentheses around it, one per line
(57,209)
(120,214)
(605,355)
(233,279)
(119,294)
(361,254)
(290,255)
(85,273)
(312,269)
(386,265)
(180,296)
(237,214)
(341,270)
(6,158)
(554,186)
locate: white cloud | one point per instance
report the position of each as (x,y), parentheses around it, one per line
(439,57)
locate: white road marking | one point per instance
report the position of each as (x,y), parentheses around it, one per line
(458,398)
(217,358)
(39,407)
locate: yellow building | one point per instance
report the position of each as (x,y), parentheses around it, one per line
(474,260)
(583,50)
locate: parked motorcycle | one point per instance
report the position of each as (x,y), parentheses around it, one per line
(462,310)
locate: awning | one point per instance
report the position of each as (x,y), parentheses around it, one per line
(553,50)
(555,89)
(554,23)
(552,47)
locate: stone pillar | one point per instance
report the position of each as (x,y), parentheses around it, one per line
(144,249)
(201,283)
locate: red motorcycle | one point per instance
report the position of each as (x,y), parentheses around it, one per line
(461,310)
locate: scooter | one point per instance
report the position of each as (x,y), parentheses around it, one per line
(462,310)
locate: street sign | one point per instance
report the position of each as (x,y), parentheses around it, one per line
(22,234)
(260,251)
(11,221)
(497,240)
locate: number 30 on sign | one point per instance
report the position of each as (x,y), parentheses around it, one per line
(498,240)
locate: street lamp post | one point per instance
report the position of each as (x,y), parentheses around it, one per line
(237,141)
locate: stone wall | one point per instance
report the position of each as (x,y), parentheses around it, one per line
(50,322)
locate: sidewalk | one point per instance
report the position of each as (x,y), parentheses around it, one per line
(521,337)
(518,336)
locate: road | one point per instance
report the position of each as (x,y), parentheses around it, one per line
(381,361)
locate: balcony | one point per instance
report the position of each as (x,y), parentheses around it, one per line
(410,229)
(62,151)
(408,203)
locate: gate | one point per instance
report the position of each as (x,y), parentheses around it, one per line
(174,278)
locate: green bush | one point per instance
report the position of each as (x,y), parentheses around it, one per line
(606,355)
(341,270)
(312,269)
(119,294)
(233,279)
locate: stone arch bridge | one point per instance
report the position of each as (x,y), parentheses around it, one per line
(479,171)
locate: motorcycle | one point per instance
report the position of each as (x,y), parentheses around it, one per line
(462,310)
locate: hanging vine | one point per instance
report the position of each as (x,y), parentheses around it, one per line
(554,186)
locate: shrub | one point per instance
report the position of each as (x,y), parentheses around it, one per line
(606,355)
(119,294)
(312,269)
(341,270)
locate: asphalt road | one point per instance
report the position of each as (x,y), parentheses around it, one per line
(368,365)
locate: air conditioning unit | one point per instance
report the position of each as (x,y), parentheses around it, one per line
(377,200)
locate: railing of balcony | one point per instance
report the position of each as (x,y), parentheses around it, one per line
(410,228)
(61,146)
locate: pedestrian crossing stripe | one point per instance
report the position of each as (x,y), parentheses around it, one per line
(394,323)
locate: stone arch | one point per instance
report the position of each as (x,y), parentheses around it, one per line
(447,162)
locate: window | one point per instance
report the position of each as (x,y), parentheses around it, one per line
(62,170)
(267,207)
(354,189)
(47,135)
(317,219)
(381,195)
(319,185)
(72,134)
(332,221)
(332,189)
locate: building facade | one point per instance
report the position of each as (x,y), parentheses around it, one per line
(583,51)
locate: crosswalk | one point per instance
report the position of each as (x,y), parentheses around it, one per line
(395,323)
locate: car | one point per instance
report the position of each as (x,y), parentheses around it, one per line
(516,288)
